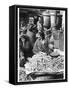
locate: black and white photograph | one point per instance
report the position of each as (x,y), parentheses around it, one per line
(41,44)
(34,45)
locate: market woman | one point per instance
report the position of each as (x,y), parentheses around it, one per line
(41,44)
(44,43)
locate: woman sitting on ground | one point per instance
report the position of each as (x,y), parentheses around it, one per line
(41,44)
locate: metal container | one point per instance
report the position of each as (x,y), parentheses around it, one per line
(56,18)
(46,19)
(53,14)
(58,21)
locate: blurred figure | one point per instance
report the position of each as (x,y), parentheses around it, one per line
(39,24)
(39,27)
(25,46)
(23,27)
(31,31)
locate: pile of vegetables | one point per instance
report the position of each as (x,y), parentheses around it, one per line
(44,63)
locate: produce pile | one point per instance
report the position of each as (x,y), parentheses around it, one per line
(22,75)
(44,63)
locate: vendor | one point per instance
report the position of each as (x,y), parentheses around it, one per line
(41,44)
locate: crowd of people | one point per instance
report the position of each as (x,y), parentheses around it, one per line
(33,38)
